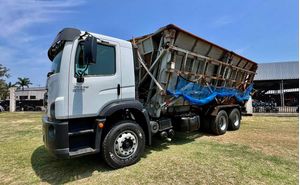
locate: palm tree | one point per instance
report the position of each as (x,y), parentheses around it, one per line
(23,82)
(9,85)
(4,89)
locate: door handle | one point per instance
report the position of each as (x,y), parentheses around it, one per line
(119,89)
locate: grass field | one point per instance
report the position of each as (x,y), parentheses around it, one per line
(263,151)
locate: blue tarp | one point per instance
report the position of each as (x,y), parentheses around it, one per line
(201,95)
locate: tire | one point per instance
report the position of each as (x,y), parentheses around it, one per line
(30,109)
(234,119)
(37,109)
(219,124)
(124,134)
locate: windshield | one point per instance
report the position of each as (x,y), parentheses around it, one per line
(56,63)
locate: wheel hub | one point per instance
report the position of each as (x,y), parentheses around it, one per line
(222,123)
(236,121)
(126,144)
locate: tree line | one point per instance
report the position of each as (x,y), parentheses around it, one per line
(4,86)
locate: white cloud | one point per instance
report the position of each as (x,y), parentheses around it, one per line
(21,51)
(15,15)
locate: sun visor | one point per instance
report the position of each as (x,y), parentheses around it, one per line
(67,34)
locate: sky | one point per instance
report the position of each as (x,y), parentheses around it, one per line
(261,30)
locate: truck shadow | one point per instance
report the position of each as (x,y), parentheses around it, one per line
(59,171)
(179,139)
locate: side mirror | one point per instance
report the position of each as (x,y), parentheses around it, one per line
(89,55)
(90,50)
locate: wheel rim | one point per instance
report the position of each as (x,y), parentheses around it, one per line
(236,120)
(222,123)
(126,144)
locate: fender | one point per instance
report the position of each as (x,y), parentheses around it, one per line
(128,104)
(216,109)
(114,106)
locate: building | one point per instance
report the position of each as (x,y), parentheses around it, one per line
(31,93)
(277,86)
(25,99)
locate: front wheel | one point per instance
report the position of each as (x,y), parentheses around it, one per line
(124,144)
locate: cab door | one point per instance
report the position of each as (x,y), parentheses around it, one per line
(101,80)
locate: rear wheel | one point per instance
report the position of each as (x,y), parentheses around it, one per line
(124,144)
(219,124)
(234,119)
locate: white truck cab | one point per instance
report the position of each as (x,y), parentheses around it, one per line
(92,77)
(110,79)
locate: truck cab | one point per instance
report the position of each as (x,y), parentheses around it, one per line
(91,83)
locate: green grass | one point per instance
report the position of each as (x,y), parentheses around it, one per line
(263,151)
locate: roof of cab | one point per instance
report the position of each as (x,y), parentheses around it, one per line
(121,42)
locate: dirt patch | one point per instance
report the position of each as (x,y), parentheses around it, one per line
(24,121)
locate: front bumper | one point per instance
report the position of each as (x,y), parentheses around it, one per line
(55,137)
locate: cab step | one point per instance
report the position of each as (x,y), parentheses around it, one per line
(80,132)
(81,151)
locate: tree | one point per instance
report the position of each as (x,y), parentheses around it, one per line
(3,74)
(5,93)
(3,90)
(23,82)
(9,85)
(3,71)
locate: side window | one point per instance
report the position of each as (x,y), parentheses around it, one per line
(105,63)
(55,68)
(23,97)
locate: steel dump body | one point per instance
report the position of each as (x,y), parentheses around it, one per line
(171,54)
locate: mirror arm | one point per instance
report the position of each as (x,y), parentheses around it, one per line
(89,56)
(80,78)
(81,36)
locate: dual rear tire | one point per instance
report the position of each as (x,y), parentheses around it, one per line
(223,121)
(234,119)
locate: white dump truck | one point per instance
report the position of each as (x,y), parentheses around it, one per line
(111,96)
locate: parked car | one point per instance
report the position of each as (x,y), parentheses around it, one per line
(260,106)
